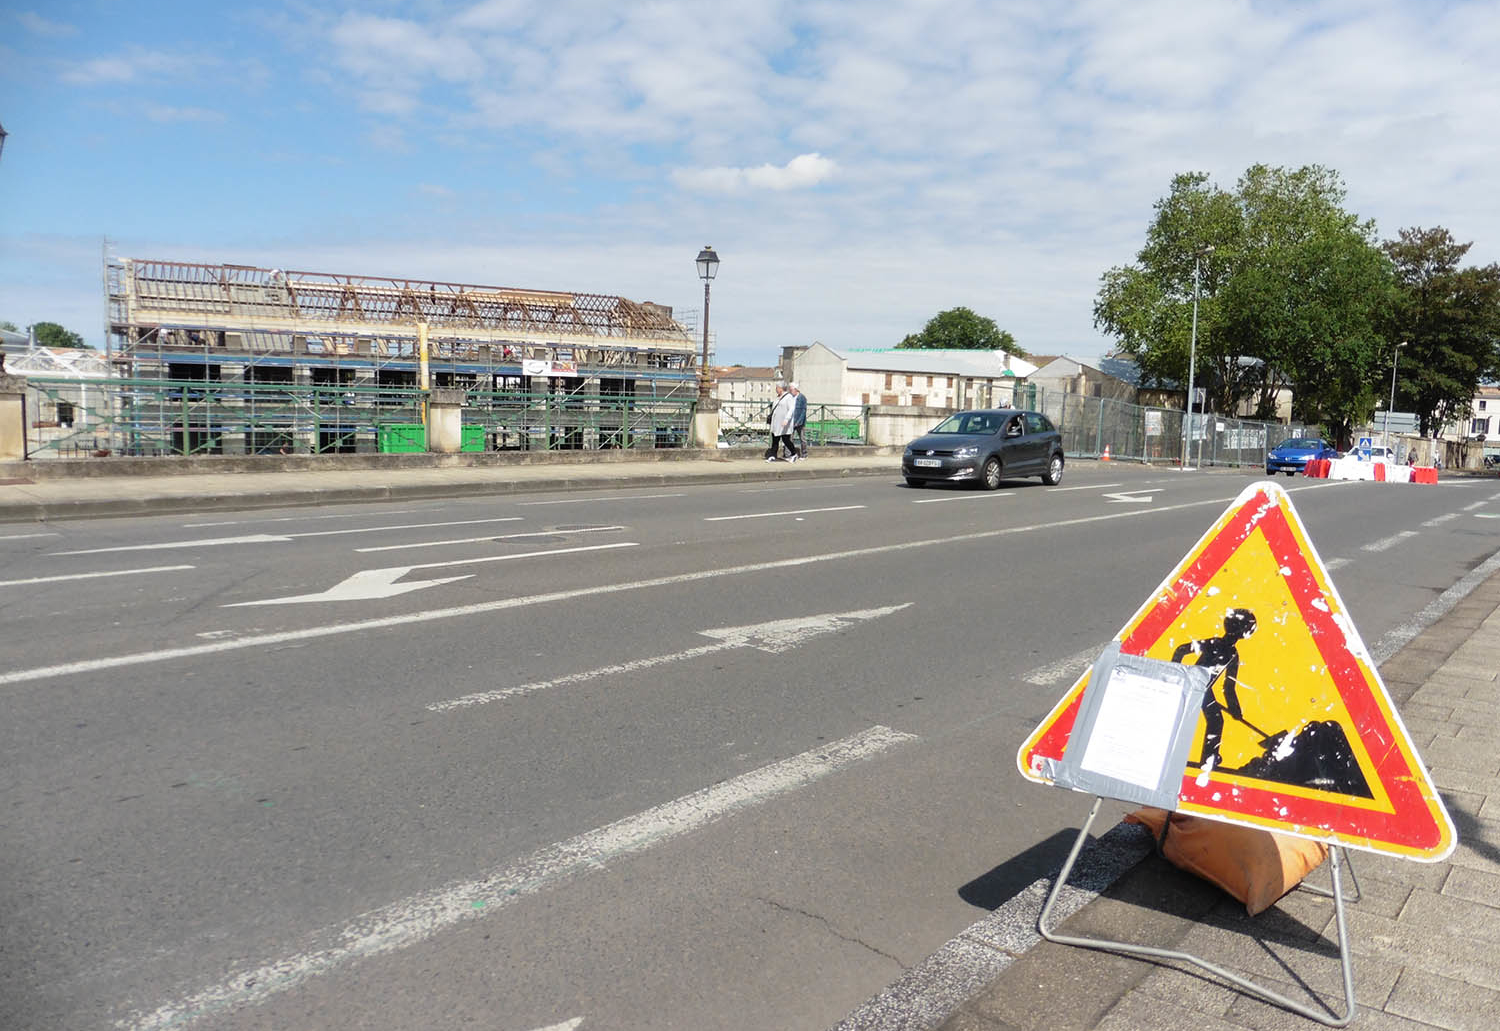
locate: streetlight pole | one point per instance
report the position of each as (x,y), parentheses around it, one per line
(708,267)
(1187,415)
(1385,431)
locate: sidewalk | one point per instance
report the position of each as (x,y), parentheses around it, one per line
(35,492)
(1425,937)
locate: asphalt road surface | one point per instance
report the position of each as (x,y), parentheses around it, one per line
(712,757)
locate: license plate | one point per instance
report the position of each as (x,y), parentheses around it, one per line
(927,463)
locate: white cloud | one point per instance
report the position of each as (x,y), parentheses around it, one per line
(40,26)
(166,113)
(802,171)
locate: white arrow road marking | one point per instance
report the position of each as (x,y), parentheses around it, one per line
(768,515)
(776,636)
(482,540)
(412,920)
(92,576)
(365,585)
(380,583)
(266,538)
(986,496)
(1131,496)
(207,542)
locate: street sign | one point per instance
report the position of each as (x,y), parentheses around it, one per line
(1295,731)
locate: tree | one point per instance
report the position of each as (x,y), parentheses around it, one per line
(50,334)
(1450,320)
(960,328)
(1293,292)
(9,326)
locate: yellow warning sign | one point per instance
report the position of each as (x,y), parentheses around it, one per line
(1296,731)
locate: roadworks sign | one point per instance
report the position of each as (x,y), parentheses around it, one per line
(1295,731)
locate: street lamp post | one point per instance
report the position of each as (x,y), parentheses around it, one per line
(708,267)
(1187,415)
(1385,430)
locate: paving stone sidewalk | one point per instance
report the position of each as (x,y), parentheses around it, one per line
(1424,937)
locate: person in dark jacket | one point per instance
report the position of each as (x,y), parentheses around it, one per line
(799,421)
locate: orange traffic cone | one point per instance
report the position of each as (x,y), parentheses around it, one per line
(1105,457)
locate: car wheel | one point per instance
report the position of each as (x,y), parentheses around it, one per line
(912,481)
(1053,476)
(991,478)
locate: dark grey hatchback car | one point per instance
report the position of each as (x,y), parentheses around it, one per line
(985,447)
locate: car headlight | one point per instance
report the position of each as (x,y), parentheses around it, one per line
(966,452)
(907,452)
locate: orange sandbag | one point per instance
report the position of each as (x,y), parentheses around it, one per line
(1255,866)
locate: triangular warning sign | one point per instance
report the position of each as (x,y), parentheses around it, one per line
(1296,732)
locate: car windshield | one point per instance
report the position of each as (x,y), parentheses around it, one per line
(1301,443)
(969,422)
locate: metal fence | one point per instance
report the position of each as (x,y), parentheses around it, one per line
(1093,427)
(747,424)
(69,418)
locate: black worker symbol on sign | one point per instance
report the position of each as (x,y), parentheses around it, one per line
(1316,756)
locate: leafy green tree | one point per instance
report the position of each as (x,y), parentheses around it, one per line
(1293,292)
(962,329)
(50,334)
(9,326)
(1450,319)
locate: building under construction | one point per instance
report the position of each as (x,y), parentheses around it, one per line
(270,359)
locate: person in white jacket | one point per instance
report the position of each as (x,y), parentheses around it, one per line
(781,425)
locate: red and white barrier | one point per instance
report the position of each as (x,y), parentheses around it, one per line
(1358,469)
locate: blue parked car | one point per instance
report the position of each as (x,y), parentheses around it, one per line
(1292,455)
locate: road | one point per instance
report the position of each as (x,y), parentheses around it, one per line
(711,757)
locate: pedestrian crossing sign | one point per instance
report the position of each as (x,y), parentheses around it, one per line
(1295,731)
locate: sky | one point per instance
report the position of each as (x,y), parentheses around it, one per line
(858,166)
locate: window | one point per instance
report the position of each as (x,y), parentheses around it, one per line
(1477,427)
(1036,423)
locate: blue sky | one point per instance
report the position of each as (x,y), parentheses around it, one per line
(859,166)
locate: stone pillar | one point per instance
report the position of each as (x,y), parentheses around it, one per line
(12,415)
(445,421)
(706,424)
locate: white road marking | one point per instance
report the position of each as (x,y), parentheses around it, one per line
(482,540)
(1386,543)
(1086,486)
(588,501)
(91,576)
(500,605)
(415,919)
(1131,496)
(566,1025)
(1477,504)
(776,636)
(296,518)
(207,542)
(1336,563)
(1437,520)
(369,584)
(1063,669)
(26,536)
(988,495)
(265,538)
(769,515)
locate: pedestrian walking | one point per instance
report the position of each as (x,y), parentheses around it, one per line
(781,425)
(799,421)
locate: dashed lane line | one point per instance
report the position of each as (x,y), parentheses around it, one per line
(412,920)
